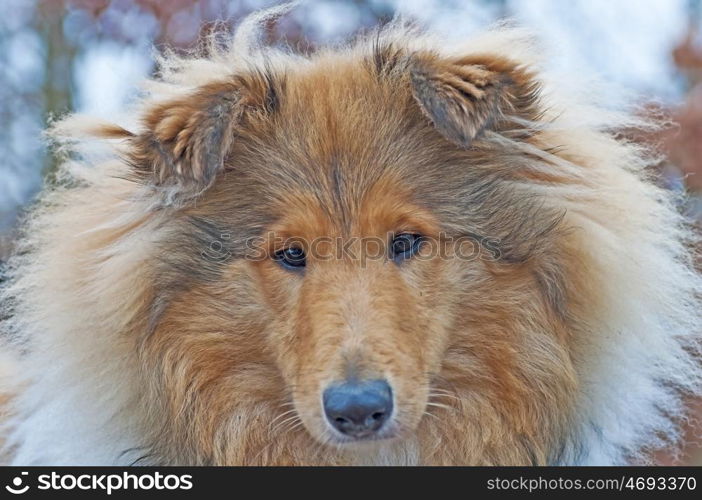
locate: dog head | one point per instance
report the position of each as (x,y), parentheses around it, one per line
(352,255)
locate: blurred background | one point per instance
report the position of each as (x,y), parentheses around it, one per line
(58,56)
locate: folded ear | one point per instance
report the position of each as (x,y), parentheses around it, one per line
(187,139)
(464,96)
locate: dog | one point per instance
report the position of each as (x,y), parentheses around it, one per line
(399,251)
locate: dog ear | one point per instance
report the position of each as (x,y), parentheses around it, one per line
(187,140)
(464,96)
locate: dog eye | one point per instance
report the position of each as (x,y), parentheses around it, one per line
(404,246)
(291,258)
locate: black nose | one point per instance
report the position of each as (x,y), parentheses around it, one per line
(358,408)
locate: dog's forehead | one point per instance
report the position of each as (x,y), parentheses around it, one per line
(344,142)
(337,133)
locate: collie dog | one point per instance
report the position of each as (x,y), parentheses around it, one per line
(398,251)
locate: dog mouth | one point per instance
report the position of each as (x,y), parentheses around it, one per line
(361,438)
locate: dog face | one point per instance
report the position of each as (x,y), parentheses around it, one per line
(361,327)
(358,264)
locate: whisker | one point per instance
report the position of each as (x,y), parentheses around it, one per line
(442,394)
(439,405)
(282,424)
(294,427)
(270,426)
(285,426)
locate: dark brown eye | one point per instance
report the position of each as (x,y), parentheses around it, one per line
(292,258)
(404,246)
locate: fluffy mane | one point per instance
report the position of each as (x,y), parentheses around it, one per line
(81,272)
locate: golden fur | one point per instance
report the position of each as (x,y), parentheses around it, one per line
(142,334)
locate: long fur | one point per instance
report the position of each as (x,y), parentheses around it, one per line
(79,391)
